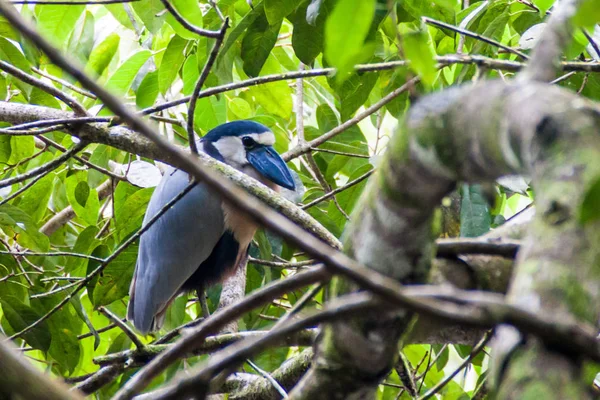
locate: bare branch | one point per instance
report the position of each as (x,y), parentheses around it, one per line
(187,25)
(19,379)
(474,35)
(32,80)
(49,166)
(126,329)
(203,76)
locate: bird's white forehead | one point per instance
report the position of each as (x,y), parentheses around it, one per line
(265,138)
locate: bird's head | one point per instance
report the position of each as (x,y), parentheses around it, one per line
(243,143)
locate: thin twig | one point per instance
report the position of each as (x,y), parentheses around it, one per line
(306,147)
(476,350)
(65,83)
(338,190)
(340,153)
(276,264)
(84,161)
(49,166)
(545,57)
(101,330)
(24,188)
(474,35)
(269,378)
(23,272)
(107,260)
(454,247)
(461,39)
(124,327)
(198,378)
(50,89)
(187,25)
(59,122)
(195,335)
(203,76)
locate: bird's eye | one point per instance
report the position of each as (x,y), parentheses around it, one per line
(248,142)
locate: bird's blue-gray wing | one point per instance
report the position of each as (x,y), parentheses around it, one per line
(173,248)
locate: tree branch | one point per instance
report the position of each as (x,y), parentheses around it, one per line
(19,379)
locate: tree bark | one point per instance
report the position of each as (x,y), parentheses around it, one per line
(476,134)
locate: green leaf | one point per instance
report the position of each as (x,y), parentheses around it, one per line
(103,252)
(439,10)
(129,215)
(10,54)
(7,30)
(102,54)
(120,82)
(118,11)
(85,243)
(20,316)
(190,10)
(418,49)
(275,97)
(240,108)
(41,98)
(190,75)
(21,147)
(495,22)
(354,92)
(257,44)
(442,358)
(150,12)
(4,149)
(264,246)
(113,284)
(81,40)
(277,10)
(589,210)
(82,198)
(3,88)
(307,38)
(121,343)
(543,5)
(326,117)
(34,201)
(588,14)
(239,29)
(82,313)
(475,219)
(171,63)
(346,29)
(64,326)
(55,22)
(21,223)
(205,117)
(147,92)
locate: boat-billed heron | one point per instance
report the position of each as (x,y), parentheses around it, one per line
(201,239)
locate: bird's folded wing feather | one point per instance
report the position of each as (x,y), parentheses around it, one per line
(175,246)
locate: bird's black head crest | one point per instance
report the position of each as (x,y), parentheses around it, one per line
(235,128)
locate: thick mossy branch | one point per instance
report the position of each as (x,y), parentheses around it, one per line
(473,133)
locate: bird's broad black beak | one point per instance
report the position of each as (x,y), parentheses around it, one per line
(266,161)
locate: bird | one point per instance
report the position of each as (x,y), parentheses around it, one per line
(200,240)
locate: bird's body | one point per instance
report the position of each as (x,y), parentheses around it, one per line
(200,240)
